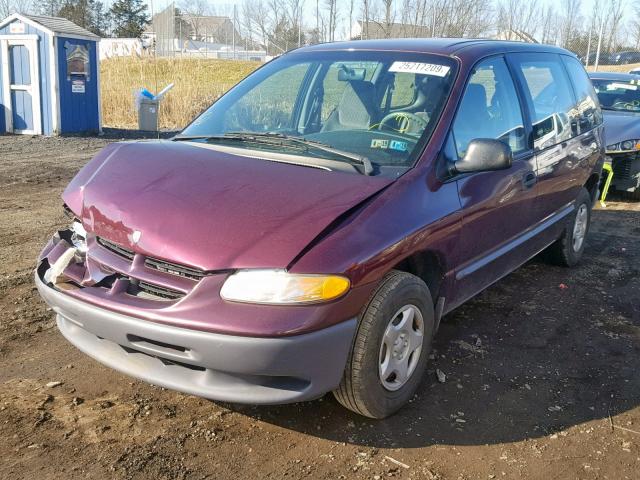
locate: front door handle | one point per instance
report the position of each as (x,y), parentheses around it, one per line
(529,179)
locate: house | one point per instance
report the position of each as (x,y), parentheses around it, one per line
(213,29)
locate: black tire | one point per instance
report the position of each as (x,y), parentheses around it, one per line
(562,252)
(361,389)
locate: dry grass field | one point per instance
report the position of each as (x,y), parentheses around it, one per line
(198,82)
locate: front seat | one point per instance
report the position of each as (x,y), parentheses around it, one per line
(356,110)
(477,122)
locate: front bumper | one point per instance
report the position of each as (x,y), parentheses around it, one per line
(221,367)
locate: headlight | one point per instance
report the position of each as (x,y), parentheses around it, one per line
(79,237)
(280,287)
(626,146)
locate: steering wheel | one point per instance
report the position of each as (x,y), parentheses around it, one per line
(405,122)
(622,105)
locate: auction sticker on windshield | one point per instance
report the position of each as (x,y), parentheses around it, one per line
(420,68)
(621,86)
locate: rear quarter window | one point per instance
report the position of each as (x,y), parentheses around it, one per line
(550,96)
(587,105)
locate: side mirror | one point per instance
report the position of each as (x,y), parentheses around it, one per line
(483,155)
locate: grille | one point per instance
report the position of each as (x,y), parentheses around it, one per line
(622,166)
(153,292)
(174,269)
(154,263)
(115,248)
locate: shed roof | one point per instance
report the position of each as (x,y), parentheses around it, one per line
(61,26)
(56,26)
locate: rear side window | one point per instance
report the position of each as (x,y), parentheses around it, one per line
(490,108)
(550,96)
(589,114)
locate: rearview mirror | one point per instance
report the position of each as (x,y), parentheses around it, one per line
(346,74)
(483,155)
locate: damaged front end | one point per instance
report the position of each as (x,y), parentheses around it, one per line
(98,270)
(63,263)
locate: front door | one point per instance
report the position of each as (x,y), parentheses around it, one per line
(21,87)
(497,206)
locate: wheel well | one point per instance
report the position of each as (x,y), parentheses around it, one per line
(427,266)
(592,185)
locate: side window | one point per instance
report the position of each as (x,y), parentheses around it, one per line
(554,117)
(587,104)
(490,108)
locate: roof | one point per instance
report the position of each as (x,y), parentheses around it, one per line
(209,21)
(619,76)
(55,25)
(441,46)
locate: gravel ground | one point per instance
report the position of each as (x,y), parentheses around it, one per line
(541,375)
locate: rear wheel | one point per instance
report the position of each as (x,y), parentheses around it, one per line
(568,250)
(391,347)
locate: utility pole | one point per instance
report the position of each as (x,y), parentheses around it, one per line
(233,31)
(599,45)
(586,60)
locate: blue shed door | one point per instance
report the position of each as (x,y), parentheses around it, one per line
(21,85)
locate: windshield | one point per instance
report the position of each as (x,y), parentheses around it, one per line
(623,95)
(355,109)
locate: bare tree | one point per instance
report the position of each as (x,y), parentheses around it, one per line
(7,7)
(634,26)
(388,17)
(351,9)
(570,20)
(616,15)
(194,12)
(518,17)
(548,26)
(332,12)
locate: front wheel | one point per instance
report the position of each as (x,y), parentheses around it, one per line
(568,250)
(391,347)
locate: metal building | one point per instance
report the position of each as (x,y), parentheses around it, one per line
(49,76)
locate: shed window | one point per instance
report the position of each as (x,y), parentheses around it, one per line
(77,60)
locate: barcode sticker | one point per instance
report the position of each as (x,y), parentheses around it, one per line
(420,68)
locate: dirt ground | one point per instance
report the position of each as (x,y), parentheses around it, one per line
(541,375)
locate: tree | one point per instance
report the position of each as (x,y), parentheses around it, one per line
(88,14)
(129,18)
(7,7)
(194,12)
(49,7)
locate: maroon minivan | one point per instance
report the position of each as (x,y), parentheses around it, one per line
(308,231)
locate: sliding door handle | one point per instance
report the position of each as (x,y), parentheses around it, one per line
(529,179)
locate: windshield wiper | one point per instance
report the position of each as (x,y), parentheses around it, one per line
(281,139)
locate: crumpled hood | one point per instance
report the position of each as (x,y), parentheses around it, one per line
(620,126)
(208,209)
